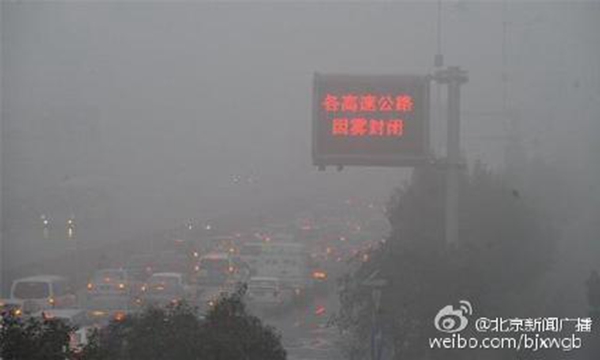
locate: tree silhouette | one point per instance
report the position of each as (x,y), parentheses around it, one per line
(504,249)
(34,338)
(228,332)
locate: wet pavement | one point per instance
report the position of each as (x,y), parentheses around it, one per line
(307,331)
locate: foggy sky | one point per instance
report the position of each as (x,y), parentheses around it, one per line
(142,115)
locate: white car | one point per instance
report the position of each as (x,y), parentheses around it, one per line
(110,289)
(265,293)
(109,282)
(165,288)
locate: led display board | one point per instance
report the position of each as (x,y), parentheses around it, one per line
(370,120)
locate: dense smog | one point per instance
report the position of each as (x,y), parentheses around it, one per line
(302,180)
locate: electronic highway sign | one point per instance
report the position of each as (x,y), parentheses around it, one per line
(370,120)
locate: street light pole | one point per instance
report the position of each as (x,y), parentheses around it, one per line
(45,227)
(376,284)
(454,77)
(72,242)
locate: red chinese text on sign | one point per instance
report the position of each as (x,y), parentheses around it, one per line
(331,103)
(376,127)
(339,127)
(358,127)
(350,103)
(404,103)
(395,127)
(368,102)
(386,103)
(370,120)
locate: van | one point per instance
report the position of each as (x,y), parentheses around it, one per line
(43,292)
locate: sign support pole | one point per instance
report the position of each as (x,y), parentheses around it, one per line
(454,77)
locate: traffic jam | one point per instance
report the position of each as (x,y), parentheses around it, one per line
(286,268)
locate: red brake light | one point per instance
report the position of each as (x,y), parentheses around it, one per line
(119,316)
(320,275)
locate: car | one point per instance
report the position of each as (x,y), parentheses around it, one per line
(72,317)
(43,292)
(140,267)
(103,316)
(11,307)
(109,282)
(210,295)
(111,289)
(265,293)
(165,288)
(218,269)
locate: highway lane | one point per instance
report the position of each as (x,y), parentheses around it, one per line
(307,331)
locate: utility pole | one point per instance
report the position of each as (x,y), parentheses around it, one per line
(454,77)
(2,228)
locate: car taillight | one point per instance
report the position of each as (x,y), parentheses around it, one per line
(98,313)
(119,316)
(320,275)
